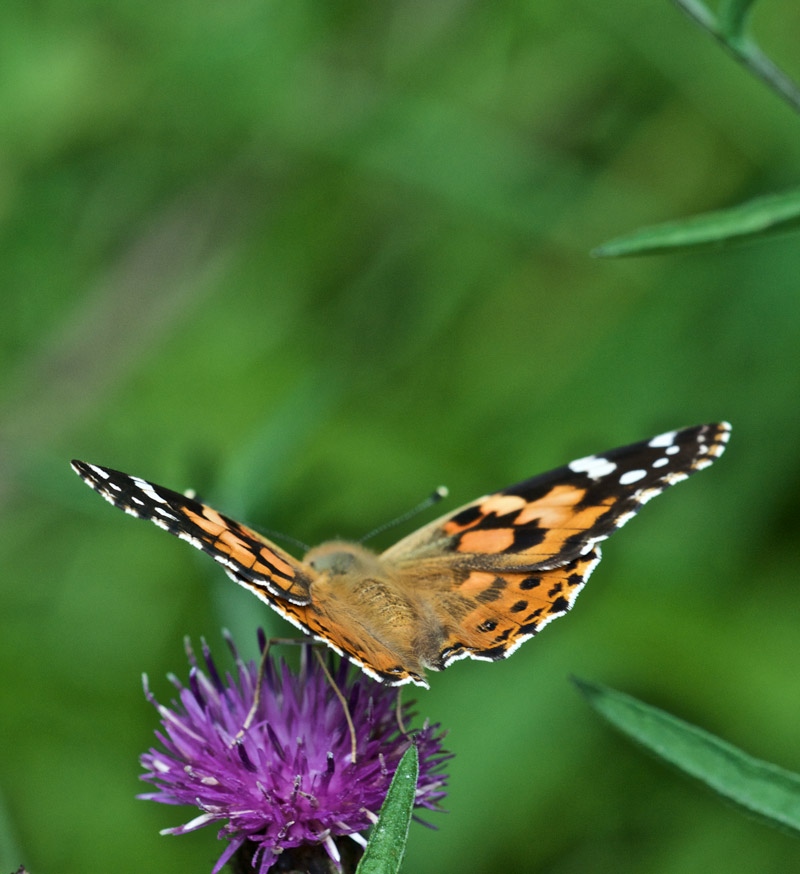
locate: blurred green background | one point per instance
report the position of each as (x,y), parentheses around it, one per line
(314,260)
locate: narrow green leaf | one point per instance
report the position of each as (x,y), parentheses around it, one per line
(730,34)
(763,216)
(761,788)
(732,16)
(387,844)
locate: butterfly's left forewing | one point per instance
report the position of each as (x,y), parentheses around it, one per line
(510,562)
(548,520)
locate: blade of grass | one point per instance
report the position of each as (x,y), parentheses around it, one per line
(761,788)
(762,216)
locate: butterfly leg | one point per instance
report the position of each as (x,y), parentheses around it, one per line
(398,711)
(262,666)
(251,713)
(338,692)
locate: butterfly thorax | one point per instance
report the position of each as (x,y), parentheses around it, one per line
(361,591)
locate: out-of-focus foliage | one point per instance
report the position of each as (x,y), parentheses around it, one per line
(313,261)
(760,217)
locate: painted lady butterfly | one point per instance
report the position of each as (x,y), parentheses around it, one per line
(475,583)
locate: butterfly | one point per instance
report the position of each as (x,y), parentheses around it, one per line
(475,583)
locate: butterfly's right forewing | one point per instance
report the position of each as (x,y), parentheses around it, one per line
(248,558)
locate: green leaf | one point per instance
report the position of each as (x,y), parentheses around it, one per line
(732,18)
(761,788)
(764,216)
(728,29)
(387,844)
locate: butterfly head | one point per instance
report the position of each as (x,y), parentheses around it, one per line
(340,558)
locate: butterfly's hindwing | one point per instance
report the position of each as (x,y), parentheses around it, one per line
(518,606)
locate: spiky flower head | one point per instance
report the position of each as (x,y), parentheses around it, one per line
(290,782)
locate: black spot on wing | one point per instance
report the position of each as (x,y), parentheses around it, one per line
(493,592)
(494,653)
(467,517)
(531,627)
(527,536)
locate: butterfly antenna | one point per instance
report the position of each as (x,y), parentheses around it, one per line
(287,538)
(278,535)
(432,499)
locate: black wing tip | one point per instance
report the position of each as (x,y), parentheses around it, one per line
(89,473)
(723,432)
(713,438)
(720,429)
(84,470)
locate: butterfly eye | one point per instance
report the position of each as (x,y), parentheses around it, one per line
(334,563)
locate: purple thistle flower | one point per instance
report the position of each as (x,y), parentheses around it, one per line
(290,783)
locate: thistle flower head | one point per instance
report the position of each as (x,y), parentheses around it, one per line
(291,780)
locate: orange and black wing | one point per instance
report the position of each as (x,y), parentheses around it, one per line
(500,568)
(248,558)
(547,521)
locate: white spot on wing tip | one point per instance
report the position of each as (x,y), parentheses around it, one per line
(661,440)
(594,466)
(148,489)
(632,476)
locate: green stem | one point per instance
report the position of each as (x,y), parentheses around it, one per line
(746,52)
